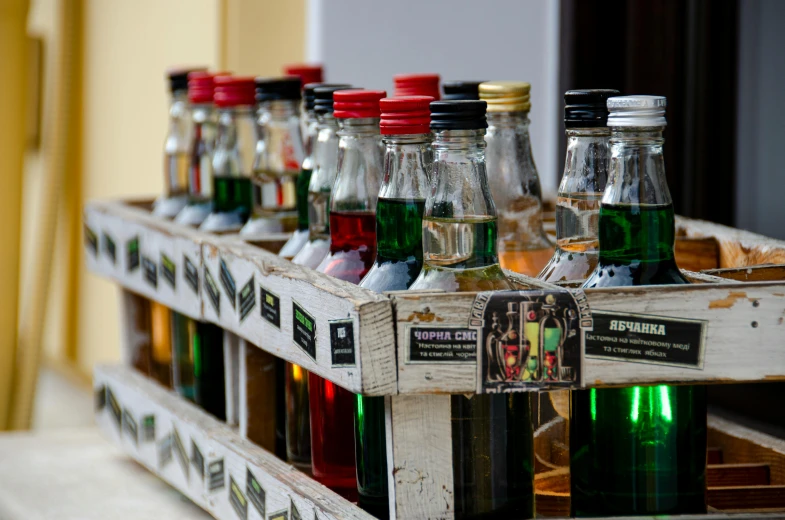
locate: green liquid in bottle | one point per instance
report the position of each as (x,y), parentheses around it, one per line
(637,450)
(232,194)
(303,181)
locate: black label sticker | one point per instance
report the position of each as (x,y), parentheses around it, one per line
(148,428)
(295,512)
(271,307)
(168,270)
(197,459)
(212,291)
(114,407)
(182,455)
(255,493)
(279,515)
(191,274)
(247,298)
(132,254)
(643,338)
(441,345)
(165,451)
(130,427)
(529,339)
(342,343)
(237,499)
(100,398)
(109,247)
(91,240)
(150,271)
(303,330)
(227,280)
(215,472)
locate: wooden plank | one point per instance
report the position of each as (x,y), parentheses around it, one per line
(724,475)
(759,273)
(185,445)
(697,254)
(714,456)
(746,497)
(703,277)
(741,445)
(737,248)
(257,396)
(421,467)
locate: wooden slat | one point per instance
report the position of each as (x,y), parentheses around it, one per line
(742,445)
(697,254)
(714,456)
(737,248)
(746,497)
(723,475)
(760,273)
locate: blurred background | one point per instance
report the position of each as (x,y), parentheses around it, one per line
(84,98)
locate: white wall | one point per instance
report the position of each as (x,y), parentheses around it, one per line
(760,163)
(366,42)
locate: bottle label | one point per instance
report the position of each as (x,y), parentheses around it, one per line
(271,307)
(342,343)
(529,339)
(441,345)
(643,338)
(303,330)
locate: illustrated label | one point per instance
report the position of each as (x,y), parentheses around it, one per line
(643,338)
(237,499)
(247,298)
(212,291)
(168,270)
(191,274)
(342,343)
(132,254)
(110,249)
(150,271)
(303,330)
(271,307)
(91,240)
(441,345)
(255,493)
(215,472)
(227,280)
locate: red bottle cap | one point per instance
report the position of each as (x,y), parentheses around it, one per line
(405,115)
(355,104)
(306,73)
(417,85)
(201,86)
(232,91)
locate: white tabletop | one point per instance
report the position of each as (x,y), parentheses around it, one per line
(77,475)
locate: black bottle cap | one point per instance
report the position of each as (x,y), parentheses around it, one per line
(323,96)
(308,95)
(456,90)
(275,89)
(463,114)
(587,108)
(178,78)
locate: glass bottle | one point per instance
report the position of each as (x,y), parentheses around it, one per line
(581,188)
(417,85)
(176,147)
(637,450)
(491,433)
(300,237)
(461,90)
(309,74)
(325,169)
(279,155)
(515,185)
(352,252)
(235,144)
(408,161)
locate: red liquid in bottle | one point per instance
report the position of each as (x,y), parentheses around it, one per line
(352,252)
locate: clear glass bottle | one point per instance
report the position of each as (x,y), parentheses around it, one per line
(491,433)
(176,147)
(279,155)
(310,124)
(585,174)
(352,252)
(408,161)
(233,159)
(325,169)
(637,450)
(515,185)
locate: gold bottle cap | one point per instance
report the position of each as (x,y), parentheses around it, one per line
(506,96)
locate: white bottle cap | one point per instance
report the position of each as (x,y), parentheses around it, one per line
(636,111)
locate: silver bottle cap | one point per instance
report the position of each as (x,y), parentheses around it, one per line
(636,111)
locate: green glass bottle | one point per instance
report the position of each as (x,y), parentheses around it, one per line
(637,450)
(408,161)
(492,449)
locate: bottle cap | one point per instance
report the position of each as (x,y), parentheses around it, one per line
(201,85)
(308,94)
(323,96)
(276,89)
(587,108)
(178,77)
(357,103)
(232,91)
(506,96)
(307,73)
(417,85)
(456,90)
(458,115)
(636,111)
(405,115)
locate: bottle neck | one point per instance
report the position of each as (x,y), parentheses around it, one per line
(279,148)
(311,129)
(360,166)
(325,168)
(202,146)
(235,142)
